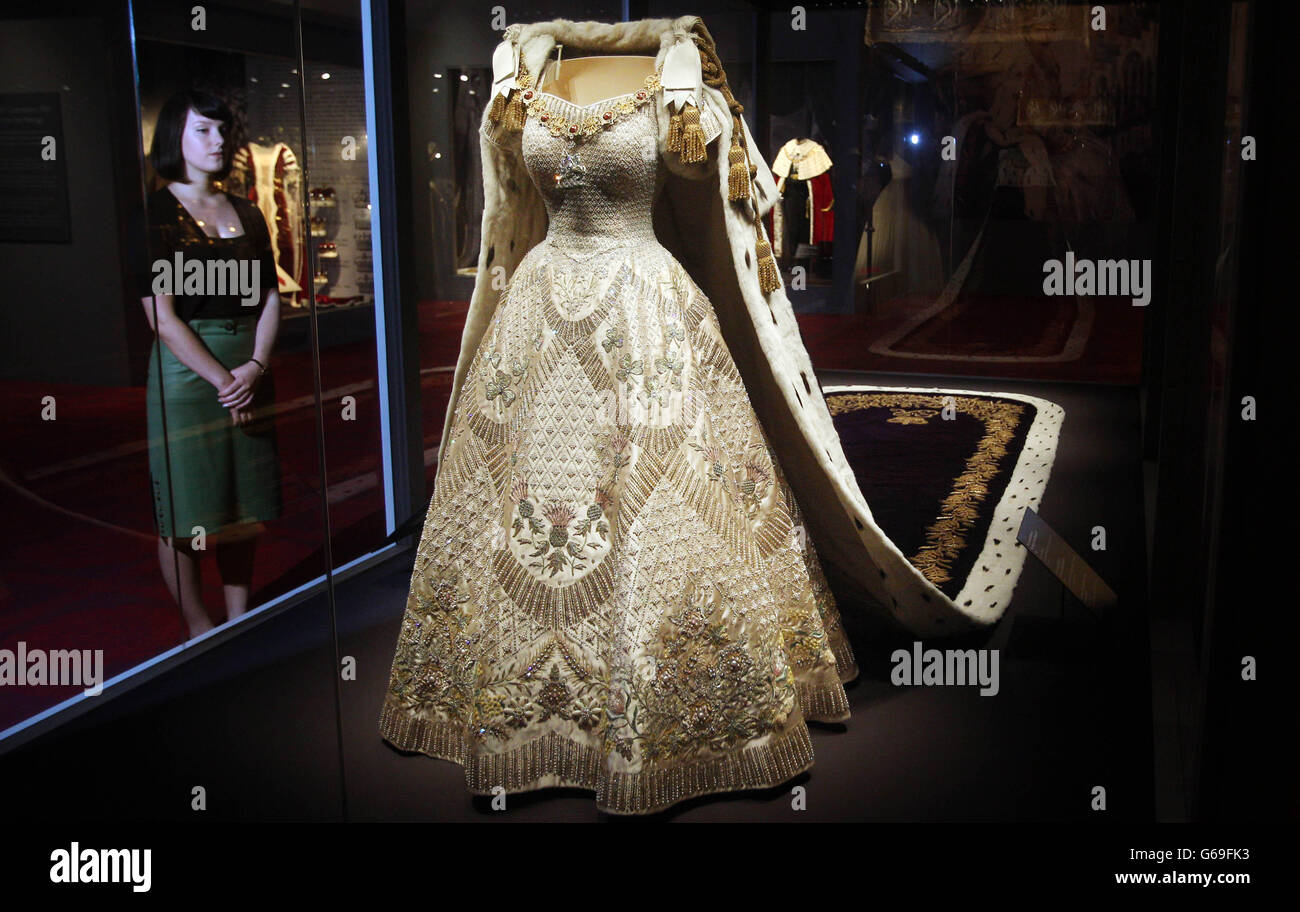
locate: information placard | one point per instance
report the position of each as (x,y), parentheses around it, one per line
(33,182)
(1065,563)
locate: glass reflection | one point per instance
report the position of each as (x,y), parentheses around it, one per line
(81,597)
(212,299)
(1003,146)
(234,449)
(339,208)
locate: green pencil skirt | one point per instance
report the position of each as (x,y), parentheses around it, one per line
(206,471)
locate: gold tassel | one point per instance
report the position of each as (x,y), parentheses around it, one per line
(675,132)
(692,135)
(768,279)
(514,116)
(737,174)
(498,108)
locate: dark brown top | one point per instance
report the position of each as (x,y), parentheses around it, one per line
(172,229)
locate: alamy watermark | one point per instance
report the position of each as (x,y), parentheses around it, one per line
(23,667)
(179,276)
(949,667)
(77,865)
(1106,278)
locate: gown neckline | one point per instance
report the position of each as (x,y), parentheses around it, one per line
(594,104)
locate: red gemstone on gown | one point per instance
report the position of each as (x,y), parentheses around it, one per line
(608,115)
(545,117)
(640,94)
(528,94)
(573,129)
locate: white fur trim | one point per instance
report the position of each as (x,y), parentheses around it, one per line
(763,336)
(993,578)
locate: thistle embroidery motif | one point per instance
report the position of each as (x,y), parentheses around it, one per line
(559,537)
(587,606)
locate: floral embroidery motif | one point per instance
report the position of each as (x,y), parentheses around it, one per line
(804,636)
(617,446)
(753,479)
(558,538)
(705,690)
(665,374)
(658,388)
(677,284)
(498,381)
(434,663)
(747,480)
(671,364)
(613,339)
(573,290)
(627,368)
(619,632)
(549,687)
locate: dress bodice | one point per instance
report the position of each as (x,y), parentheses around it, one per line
(597,169)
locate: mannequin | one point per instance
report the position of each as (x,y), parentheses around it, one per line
(649,622)
(587,80)
(803,167)
(616,588)
(712,227)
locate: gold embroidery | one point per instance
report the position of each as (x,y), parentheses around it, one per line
(553,685)
(704,690)
(946,537)
(434,659)
(614,615)
(560,537)
(912,416)
(558,761)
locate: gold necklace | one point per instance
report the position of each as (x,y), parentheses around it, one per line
(546,108)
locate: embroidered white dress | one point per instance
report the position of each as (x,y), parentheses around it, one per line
(613,589)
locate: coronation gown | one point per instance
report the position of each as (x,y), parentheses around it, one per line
(613,588)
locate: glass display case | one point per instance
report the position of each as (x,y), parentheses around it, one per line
(927,328)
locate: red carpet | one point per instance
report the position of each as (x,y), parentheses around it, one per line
(984,325)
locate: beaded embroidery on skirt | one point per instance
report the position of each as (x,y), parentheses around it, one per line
(613,589)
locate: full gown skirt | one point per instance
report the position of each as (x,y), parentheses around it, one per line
(613,589)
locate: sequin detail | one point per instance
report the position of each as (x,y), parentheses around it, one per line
(613,589)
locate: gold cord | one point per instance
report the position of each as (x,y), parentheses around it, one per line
(741,173)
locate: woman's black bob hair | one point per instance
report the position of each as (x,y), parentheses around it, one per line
(165,153)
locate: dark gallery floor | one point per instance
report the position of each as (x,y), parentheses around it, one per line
(255,723)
